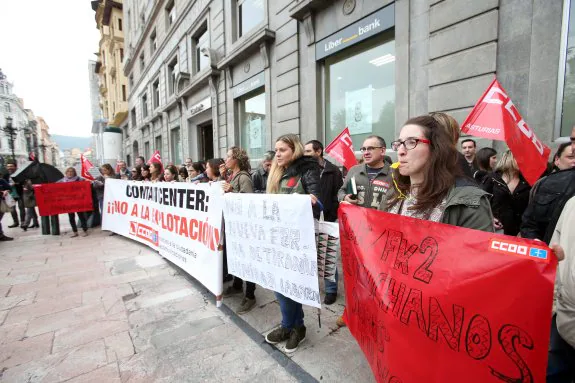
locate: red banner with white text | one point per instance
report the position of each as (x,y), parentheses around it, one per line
(63,197)
(429,302)
(341,149)
(495,117)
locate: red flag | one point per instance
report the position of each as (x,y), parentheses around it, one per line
(422,312)
(342,149)
(32,156)
(495,117)
(156,158)
(86,166)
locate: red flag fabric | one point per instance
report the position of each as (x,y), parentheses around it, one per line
(495,117)
(86,166)
(342,149)
(429,302)
(156,158)
(63,197)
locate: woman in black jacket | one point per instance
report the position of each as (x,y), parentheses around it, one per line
(510,193)
(291,173)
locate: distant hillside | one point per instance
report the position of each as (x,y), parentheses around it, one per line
(69,142)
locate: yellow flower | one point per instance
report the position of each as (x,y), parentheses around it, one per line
(395,165)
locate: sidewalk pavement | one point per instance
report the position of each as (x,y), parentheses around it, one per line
(107,309)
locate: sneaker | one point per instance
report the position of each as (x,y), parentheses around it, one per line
(74,235)
(340,322)
(5,238)
(330,298)
(247,305)
(278,335)
(296,336)
(231,290)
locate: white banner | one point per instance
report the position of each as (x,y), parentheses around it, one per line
(180,220)
(270,240)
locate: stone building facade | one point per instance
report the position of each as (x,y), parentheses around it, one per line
(206,75)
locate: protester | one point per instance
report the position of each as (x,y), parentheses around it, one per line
(71,176)
(183,174)
(136,173)
(140,161)
(452,129)
(331,181)
(146,175)
(239,181)
(372,178)
(213,169)
(156,172)
(486,159)
(4,191)
(428,183)
(510,193)
(561,360)
(260,175)
(124,173)
(198,172)
(292,172)
(170,174)
(549,196)
(468,147)
(16,193)
(30,204)
(106,171)
(188,163)
(564,158)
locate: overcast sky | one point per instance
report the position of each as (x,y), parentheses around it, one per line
(44,51)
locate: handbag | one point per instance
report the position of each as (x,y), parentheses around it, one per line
(327,240)
(4,208)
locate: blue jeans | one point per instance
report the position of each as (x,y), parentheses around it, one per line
(561,361)
(331,287)
(292,312)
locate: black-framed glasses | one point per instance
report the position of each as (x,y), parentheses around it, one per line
(364,149)
(409,143)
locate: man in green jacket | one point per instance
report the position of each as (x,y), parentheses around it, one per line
(372,178)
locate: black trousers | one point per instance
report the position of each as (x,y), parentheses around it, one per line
(22,212)
(83,221)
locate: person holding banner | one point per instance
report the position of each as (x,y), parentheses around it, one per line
(145,172)
(564,158)
(106,171)
(213,169)
(292,173)
(156,172)
(428,182)
(240,181)
(170,174)
(136,173)
(183,175)
(72,176)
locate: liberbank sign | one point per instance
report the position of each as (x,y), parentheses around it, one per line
(365,28)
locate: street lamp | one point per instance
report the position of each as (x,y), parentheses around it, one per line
(12,132)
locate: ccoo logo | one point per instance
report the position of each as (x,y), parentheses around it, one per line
(521,249)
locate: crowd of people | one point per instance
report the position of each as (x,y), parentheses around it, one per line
(431,180)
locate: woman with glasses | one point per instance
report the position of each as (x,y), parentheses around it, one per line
(145,172)
(429,185)
(136,173)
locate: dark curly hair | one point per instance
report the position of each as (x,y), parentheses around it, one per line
(241,156)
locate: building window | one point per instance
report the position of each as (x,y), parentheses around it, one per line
(142,62)
(170,14)
(145,105)
(158,143)
(7,107)
(172,72)
(147,149)
(250,14)
(153,42)
(123,92)
(131,81)
(253,124)
(119,24)
(176,152)
(113,109)
(568,96)
(156,94)
(360,92)
(121,55)
(133,117)
(201,41)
